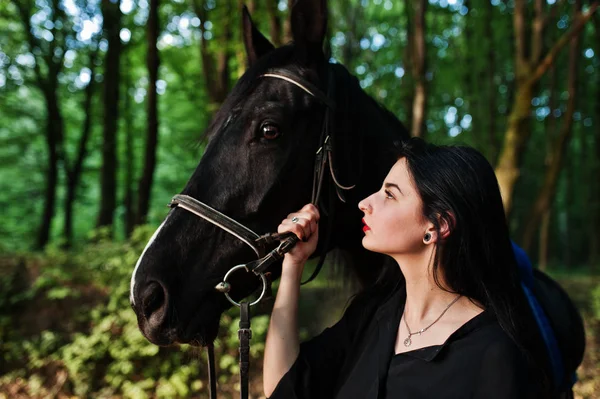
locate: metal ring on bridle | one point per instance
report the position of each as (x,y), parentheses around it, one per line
(262,293)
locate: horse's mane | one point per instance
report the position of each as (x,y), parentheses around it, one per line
(355,91)
(388,129)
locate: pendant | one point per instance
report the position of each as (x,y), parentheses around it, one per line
(407,342)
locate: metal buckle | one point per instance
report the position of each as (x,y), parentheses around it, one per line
(225,287)
(286,245)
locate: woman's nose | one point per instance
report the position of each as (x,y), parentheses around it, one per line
(365,206)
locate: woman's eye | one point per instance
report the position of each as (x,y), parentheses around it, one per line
(269,131)
(388,194)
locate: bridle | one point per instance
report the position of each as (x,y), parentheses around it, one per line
(260,244)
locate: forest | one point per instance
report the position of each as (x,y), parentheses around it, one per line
(103,106)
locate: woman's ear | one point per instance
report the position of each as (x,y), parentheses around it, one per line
(447,223)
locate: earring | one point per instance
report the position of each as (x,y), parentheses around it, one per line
(427,237)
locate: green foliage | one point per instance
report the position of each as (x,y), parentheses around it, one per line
(105,354)
(464,104)
(596,303)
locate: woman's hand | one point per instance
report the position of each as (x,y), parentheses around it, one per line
(282,345)
(304,224)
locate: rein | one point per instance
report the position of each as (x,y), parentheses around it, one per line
(261,244)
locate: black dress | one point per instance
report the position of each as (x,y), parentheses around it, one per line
(355,359)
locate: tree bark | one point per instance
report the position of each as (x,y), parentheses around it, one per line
(153,62)
(407,87)
(73,173)
(48,85)
(129,198)
(287,26)
(550,129)
(594,256)
(274,22)
(54,127)
(476,34)
(224,54)
(111,14)
(215,63)
(543,201)
(419,66)
(492,142)
(528,71)
(252,6)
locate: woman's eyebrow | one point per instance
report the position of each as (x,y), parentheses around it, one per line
(394,185)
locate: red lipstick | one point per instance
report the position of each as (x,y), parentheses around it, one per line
(365,227)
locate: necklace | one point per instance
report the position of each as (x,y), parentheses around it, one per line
(408,341)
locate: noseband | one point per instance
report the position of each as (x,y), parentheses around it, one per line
(261,244)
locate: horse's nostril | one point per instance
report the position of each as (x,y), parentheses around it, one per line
(154,302)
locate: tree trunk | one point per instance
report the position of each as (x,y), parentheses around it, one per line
(569,197)
(274,22)
(240,53)
(54,125)
(594,256)
(419,64)
(48,85)
(215,67)
(490,66)
(551,130)
(73,174)
(287,26)
(129,198)
(108,178)
(205,56)
(543,201)
(544,235)
(153,62)
(252,6)
(471,77)
(528,70)
(224,54)
(515,139)
(407,87)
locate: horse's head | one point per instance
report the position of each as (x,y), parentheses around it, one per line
(257,168)
(260,150)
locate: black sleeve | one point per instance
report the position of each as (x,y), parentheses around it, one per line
(316,370)
(503,373)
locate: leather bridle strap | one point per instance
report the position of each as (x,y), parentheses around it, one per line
(302,83)
(244,336)
(212,378)
(324,153)
(218,219)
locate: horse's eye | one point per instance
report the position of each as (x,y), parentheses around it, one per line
(269,131)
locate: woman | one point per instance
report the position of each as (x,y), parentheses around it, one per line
(454,323)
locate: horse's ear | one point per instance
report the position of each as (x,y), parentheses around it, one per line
(309,27)
(256,44)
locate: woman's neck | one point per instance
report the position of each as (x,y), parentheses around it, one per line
(425,300)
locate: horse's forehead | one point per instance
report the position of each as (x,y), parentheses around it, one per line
(269,89)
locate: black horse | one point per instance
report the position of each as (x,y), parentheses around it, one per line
(257,168)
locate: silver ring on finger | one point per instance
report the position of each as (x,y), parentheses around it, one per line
(295,219)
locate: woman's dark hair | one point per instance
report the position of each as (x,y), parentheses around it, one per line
(457,186)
